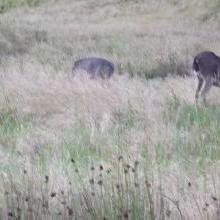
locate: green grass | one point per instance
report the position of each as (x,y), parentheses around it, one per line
(77,145)
(9,4)
(11,126)
(197,135)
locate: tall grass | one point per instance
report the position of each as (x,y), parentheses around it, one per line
(141,44)
(9,4)
(129,148)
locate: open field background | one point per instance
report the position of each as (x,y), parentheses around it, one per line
(135,147)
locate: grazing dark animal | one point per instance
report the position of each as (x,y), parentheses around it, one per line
(206,66)
(95,67)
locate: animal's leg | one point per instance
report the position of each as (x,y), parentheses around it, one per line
(216,82)
(200,83)
(206,89)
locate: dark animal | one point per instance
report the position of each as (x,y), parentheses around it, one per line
(206,66)
(95,67)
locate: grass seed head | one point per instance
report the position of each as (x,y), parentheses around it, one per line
(214,198)
(10,214)
(46,179)
(126,215)
(120,158)
(100,182)
(70,211)
(92,181)
(101,167)
(53,194)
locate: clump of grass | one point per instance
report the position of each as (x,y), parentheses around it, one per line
(125,190)
(211,12)
(10,126)
(172,66)
(108,193)
(197,131)
(8,4)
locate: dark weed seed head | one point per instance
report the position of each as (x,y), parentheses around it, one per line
(136,184)
(147,183)
(100,182)
(53,194)
(70,211)
(206,204)
(133,170)
(125,171)
(72,160)
(108,171)
(126,215)
(45,205)
(128,166)
(136,163)
(63,202)
(76,170)
(25,171)
(92,181)
(46,179)
(10,214)
(214,198)
(189,184)
(168,213)
(26,199)
(93,193)
(117,186)
(120,158)
(101,167)
(92,168)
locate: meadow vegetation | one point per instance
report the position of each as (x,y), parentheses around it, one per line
(135,147)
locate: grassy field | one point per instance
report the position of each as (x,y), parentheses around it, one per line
(135,147)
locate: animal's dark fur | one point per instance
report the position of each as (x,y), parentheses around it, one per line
(206,65)
(96,67)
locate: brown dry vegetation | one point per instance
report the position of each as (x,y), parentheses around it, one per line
(135,147)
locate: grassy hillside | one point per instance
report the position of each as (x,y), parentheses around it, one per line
(6,5)
(131,148)
(142,37)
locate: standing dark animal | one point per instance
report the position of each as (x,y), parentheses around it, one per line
(96,67)
(206,66)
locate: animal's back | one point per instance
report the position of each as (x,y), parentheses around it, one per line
(94,65)
(206,63)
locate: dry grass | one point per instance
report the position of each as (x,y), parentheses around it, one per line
(89,149)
